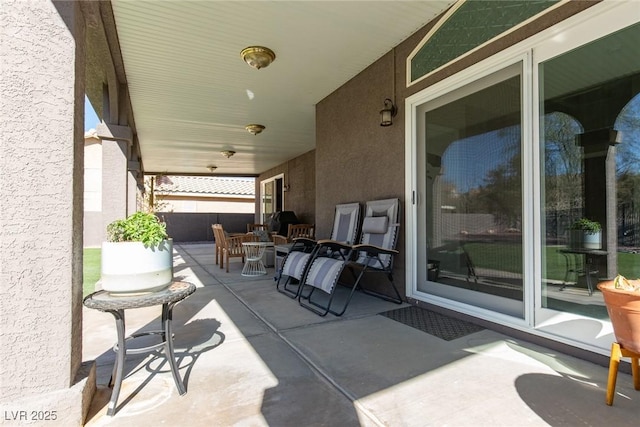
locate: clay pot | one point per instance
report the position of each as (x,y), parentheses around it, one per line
(624,311)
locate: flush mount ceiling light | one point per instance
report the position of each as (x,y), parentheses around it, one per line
(258,56)
(212,168)
(254,128)
(228,153)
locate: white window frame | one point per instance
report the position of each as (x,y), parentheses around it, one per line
(596,22)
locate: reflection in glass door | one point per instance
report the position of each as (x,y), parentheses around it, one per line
(590,169)
(469,143)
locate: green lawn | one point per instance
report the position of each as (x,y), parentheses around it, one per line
(508,257)
(91,270)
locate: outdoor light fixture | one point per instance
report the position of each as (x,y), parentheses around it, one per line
(212,168)
(258,56)
(387,113)
(254,128)
(228,153)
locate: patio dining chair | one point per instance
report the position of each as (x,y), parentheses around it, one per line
(256,227)
(374,254)
(229,246)
(294,231)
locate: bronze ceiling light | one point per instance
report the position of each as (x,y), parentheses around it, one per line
(228,153)
(258,56)
(254,128)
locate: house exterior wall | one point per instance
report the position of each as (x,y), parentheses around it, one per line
(367,161)
(42,175)
(202,204)
(300,177)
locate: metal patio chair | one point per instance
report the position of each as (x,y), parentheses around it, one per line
(345,230)
(374,254)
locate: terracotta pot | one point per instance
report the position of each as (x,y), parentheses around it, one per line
(624,311)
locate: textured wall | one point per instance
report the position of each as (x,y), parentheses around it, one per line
(357,159)
(41,196)
(300,176)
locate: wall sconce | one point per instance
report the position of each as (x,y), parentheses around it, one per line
(387,113)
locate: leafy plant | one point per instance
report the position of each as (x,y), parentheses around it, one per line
(140,227)
(587,225)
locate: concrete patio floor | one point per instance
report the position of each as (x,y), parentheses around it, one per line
(250,356)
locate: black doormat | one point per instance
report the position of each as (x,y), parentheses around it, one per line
(436,324)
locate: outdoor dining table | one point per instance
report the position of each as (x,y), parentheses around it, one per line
(116,304)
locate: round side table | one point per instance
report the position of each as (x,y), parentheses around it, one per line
(117,304)
(254,265)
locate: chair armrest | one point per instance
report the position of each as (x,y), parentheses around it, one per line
(376,250)
(334,245)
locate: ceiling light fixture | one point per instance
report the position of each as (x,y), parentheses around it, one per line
(212,168)
(228,153)
(254,128)
(258,56)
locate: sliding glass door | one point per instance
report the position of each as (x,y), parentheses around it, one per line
(469,145)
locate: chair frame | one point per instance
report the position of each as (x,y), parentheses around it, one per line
(228,247)
(336,253)
(300,244)
(365,257)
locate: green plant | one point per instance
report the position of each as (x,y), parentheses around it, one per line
(587,225)
(140,227)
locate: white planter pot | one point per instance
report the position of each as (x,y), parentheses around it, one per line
(580,239)
(129,267)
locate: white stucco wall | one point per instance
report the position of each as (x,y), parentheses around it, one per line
(92,175)
(41,159)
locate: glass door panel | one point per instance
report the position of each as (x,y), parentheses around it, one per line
(590,168)
(470,144)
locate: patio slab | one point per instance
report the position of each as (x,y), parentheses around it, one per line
(251,356)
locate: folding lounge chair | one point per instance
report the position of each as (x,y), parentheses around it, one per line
(374,254)
(345,230)
(294,266)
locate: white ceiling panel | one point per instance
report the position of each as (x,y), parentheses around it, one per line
(192,94)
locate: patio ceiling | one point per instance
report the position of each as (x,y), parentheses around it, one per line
(192,94)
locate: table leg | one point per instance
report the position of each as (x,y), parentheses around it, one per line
(588,262)
(118,366)
(167,315)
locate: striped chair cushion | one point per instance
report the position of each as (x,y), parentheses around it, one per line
(386,240)
(294,264)
(324,273)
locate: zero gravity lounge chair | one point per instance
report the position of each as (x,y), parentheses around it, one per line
(346,224)
(374,254)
